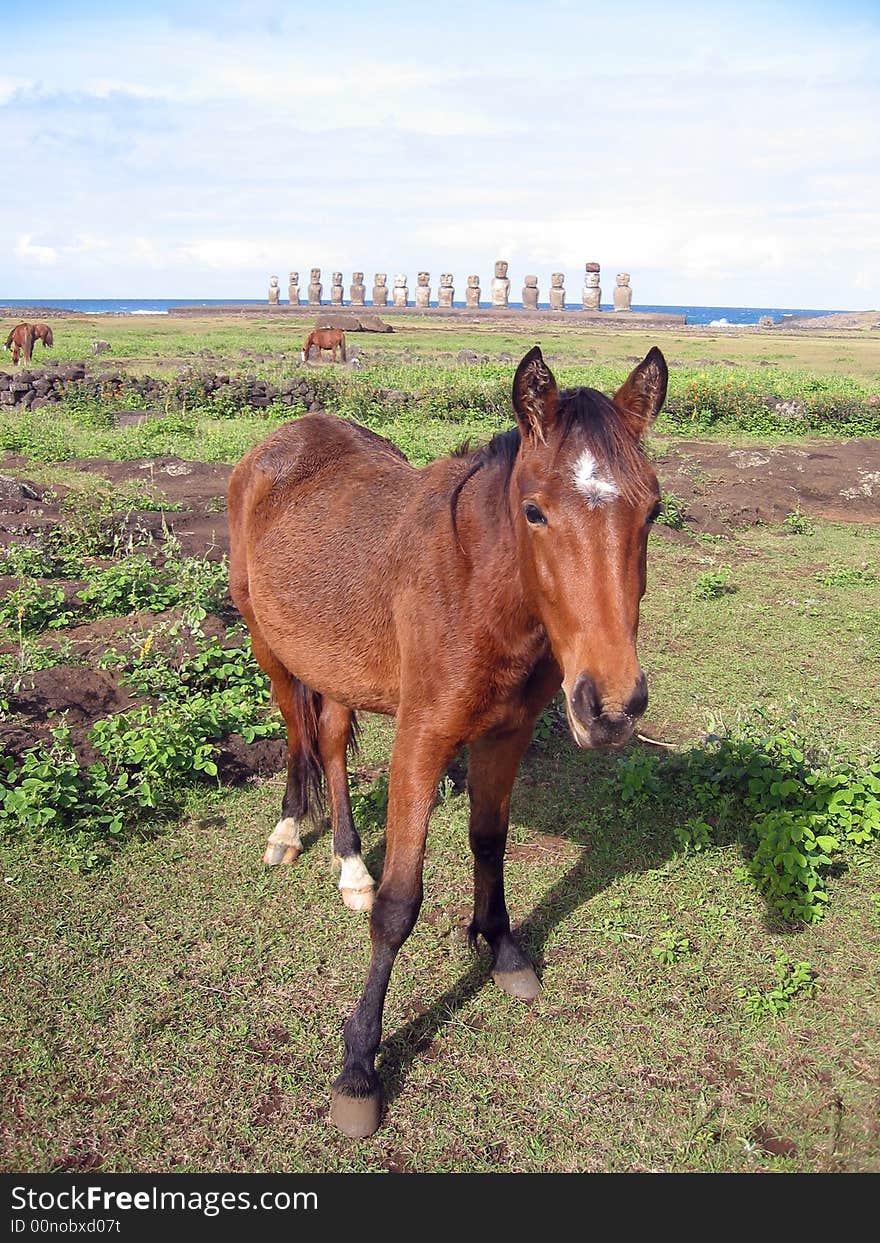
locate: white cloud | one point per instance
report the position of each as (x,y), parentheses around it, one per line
(10,87)
(25,249)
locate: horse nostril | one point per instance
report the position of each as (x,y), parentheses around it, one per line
(638,701)
(585,702)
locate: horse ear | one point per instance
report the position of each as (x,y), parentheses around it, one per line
(535,396)
(641,395)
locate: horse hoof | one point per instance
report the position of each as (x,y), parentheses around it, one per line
(356,1116)
(358,899)
(279,853)
(524,984)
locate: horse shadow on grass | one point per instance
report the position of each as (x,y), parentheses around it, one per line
(644,844)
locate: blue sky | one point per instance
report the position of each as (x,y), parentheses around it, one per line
(725,156)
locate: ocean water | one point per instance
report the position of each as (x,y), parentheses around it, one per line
(713,316)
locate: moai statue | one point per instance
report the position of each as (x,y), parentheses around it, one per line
(500,285)
(557,293)
(315,288)
(423,289)
(336,290)
(357,289)
(400,293)
(380,289)
(274,292)
(592,292)
(530,294)
(472,293)
(293,289)
(623,295)
(445,293)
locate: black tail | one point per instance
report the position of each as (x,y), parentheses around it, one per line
(310,770)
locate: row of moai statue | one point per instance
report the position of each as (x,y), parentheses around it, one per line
(591,298)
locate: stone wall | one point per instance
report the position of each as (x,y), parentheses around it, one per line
(35,388)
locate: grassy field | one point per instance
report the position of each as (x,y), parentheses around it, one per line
(180,1007)
(164,342)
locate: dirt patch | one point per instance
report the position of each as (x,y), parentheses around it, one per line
(195,493)
(68,695)
(725,487)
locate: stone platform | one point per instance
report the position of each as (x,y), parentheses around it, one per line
(485,315)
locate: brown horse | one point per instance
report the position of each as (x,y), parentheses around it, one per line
(24,337)
(42,332)
(458,597)
(324,339)
(21,342)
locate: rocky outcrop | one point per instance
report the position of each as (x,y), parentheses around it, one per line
(349,322)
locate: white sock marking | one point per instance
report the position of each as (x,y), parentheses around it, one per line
(286,833)
(354,874)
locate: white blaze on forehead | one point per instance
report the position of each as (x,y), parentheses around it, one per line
(596,488)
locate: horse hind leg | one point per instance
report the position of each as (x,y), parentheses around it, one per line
(334,736)
(302,799)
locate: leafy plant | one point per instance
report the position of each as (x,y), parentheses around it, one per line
(846,576)
(673,511)
(35,606)
(671,948)
(714,583)
(795,818)
(22,561)
(370,806)
(793,980)
(694,835)
(798,523)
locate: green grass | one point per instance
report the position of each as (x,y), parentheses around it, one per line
(183,1009)
(155,343)
(781,638)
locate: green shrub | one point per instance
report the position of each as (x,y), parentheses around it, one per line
(34,606)
(795,818)
(797,523)
(714,583)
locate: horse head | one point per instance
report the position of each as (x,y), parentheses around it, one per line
(583,496)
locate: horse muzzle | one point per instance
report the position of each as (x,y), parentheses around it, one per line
(595,723)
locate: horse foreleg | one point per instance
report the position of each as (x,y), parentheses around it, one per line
(334,734)
(492,768)
(417,763)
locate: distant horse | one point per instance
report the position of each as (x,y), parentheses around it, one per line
(324,339)
(21,342)
(458,597)
(42,332)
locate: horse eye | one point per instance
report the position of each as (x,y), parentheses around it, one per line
(533,514)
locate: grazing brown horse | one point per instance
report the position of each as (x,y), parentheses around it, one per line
(24,337)
(324,339)
(42,332)
(21,342)
(458,597)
